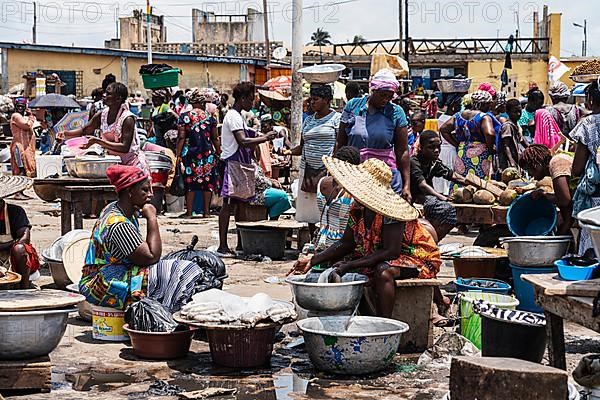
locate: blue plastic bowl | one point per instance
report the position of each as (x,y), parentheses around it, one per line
(529,217)
(573,272)
(465,285)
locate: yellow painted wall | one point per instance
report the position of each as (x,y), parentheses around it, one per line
(554,27)
(219,75)
(523,72)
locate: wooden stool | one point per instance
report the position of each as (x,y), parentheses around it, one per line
(414,305)
(34,374)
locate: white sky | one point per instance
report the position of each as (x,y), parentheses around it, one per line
(89,23)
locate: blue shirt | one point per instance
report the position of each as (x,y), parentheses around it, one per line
(380,127)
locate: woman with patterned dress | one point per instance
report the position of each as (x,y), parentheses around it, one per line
(198,147)
(474,133)
(384,239)
(120,266)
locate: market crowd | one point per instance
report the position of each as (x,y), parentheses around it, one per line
(362,170)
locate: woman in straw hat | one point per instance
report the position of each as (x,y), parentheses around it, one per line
(384,239)
(16,251)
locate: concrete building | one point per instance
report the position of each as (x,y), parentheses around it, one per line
(207,27)
(134,30)
(83,68)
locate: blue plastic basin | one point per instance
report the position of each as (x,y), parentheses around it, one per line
(465,285)
(529,217)
(574,272)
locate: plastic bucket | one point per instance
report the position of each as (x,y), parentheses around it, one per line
(107,324)
(501,338)
(466,285)
(524,290)
(470,322)
(471,267)
(594,393)
(529,217)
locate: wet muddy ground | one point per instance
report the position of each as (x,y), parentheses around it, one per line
(84,368)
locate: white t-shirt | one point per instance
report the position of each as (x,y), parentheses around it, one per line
(233,122)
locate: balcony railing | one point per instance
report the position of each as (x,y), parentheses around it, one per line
(242,49)
(497,46)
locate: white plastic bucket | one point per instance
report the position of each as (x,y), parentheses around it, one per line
(48,165)
(107,324)
(594,393)
(175,204)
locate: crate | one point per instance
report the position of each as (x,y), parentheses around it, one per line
(168,78)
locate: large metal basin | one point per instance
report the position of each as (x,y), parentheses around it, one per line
(90,167)
(536,251)
(367,345)
(326,296)
(30,334)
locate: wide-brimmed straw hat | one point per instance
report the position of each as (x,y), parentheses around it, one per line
(13,184)
(369,184)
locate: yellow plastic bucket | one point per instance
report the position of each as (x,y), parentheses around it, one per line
(107,324)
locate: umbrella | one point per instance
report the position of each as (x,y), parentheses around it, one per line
(282,84)
(72,120)
(53,100)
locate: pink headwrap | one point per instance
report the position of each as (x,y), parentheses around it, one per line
(384,80)
(487,87)
(547,131)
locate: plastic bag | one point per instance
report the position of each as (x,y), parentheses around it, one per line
(178,185)
(212,266)
(149,315)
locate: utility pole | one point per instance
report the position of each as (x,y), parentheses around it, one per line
(149,30)
(34,30)
(585,37)
(296,115)
(267,42)
(400,33)
(406,49)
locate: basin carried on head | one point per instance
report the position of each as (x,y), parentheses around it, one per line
(364,346)
(327,296)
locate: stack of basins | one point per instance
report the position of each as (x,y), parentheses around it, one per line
(532,250)
(160,165)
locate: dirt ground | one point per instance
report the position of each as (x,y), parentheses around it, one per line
(84,368)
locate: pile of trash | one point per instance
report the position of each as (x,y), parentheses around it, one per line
(217,307)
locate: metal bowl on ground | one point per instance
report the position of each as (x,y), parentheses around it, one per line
(536,251)
(90,167)
(158,156)
(30,334)
(84,308)
(327,296)
(160,345)
(366,345)
(323,73)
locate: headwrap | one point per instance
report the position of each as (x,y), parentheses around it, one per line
(435,209)
(487,87)
(323,91)
(266,118)
(163,93)
(384,80)
(467,101)
(501,98)
(547,131)
(481,97)
(21,101)
(196,96)
(559,90)
(124,176)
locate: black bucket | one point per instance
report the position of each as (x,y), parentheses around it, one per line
(502,338)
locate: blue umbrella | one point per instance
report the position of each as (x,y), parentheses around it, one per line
(53,100)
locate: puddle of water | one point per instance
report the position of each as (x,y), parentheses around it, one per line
(84,382)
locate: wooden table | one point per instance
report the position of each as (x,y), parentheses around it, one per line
(73,193)
(563,300)
(480,214)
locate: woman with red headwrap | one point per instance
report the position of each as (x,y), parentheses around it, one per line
(120,266)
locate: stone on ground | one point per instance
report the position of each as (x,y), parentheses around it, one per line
(493,378)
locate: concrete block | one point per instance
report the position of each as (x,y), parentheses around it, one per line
(493,378)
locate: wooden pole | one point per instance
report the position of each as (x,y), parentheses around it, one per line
(267,42)
(296,117)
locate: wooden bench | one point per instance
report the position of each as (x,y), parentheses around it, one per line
(31,374)
(414,305)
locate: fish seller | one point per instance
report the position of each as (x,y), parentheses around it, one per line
(121,266)
(384,239)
